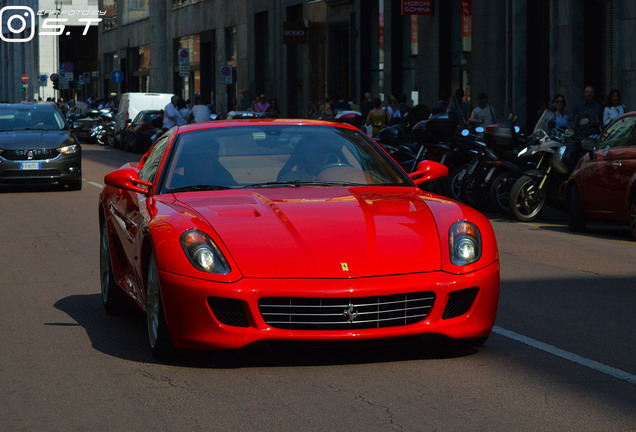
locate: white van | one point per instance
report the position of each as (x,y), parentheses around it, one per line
(131,103)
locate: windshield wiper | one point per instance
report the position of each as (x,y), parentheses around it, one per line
(199,188)
(298,183)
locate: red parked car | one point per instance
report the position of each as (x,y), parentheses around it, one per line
(603,185)
(233,232)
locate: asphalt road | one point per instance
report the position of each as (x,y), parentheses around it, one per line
(562,357)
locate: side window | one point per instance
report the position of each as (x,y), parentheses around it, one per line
(620,134)
(152,161)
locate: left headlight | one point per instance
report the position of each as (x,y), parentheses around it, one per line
(69,149)
(203,253)
(464,241)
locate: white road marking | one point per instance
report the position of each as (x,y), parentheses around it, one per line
(101,186)
(600,367)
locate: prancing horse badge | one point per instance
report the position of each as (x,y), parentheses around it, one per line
(345,266)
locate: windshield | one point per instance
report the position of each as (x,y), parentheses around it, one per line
(254,156)
(16,118)
(542,128)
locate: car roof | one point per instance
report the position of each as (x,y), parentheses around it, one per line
(261,121)
(39,104)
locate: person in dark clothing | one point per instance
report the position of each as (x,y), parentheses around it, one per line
(366,105)
(442,104)
(587,114)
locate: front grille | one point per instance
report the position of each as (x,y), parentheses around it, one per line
(459,302)
(22,155)
(300,313)
(30,173)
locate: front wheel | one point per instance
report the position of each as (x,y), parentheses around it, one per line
(452,183)
(158,336)
(499,191)
(112,297)
(527,200)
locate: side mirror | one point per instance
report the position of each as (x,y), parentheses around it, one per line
(589,145)
(428,170)
(127,178)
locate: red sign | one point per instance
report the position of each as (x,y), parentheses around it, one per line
(417,7)
(381,29)
(466,18)
(25,78)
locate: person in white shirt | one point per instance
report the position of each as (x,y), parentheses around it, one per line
(613,109)
(200,112)
(183,113)
(483,114)
(170,113)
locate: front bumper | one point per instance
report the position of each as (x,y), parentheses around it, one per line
(207,315)
(62,168)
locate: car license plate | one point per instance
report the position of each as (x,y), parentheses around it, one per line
(30,166)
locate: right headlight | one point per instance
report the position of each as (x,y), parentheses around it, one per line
(203,253)
(464,243)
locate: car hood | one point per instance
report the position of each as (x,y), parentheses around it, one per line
(26,140)
(323,231)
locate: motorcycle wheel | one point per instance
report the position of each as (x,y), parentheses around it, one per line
(100,138)
(499,191)
(452,184)
(576,219)
(526,199)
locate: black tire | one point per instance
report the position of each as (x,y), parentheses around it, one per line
(100,138)
(158,336)
(499,191)
(452,185)
(112,296)
(576,218)
(526,199)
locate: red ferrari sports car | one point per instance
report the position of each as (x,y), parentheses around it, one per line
(232,232)
(603,185)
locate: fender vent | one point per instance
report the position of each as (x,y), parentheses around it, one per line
(228,311)
(459,302)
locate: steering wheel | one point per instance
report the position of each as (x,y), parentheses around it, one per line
(333,165)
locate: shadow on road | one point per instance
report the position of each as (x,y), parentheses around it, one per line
(124,336)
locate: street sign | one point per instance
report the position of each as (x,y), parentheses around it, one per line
(43,78)
(25,78)
(184,70)
(116,76)
(68,67)
(54,77)
(226,74)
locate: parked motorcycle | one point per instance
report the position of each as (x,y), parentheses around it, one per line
(544,182)
(102,127)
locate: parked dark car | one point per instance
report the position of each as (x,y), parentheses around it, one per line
(136,137)
(603,185)
(37,146)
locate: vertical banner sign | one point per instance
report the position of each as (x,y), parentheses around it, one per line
(380,29)
(417,7)
(466,18)
(414,35)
